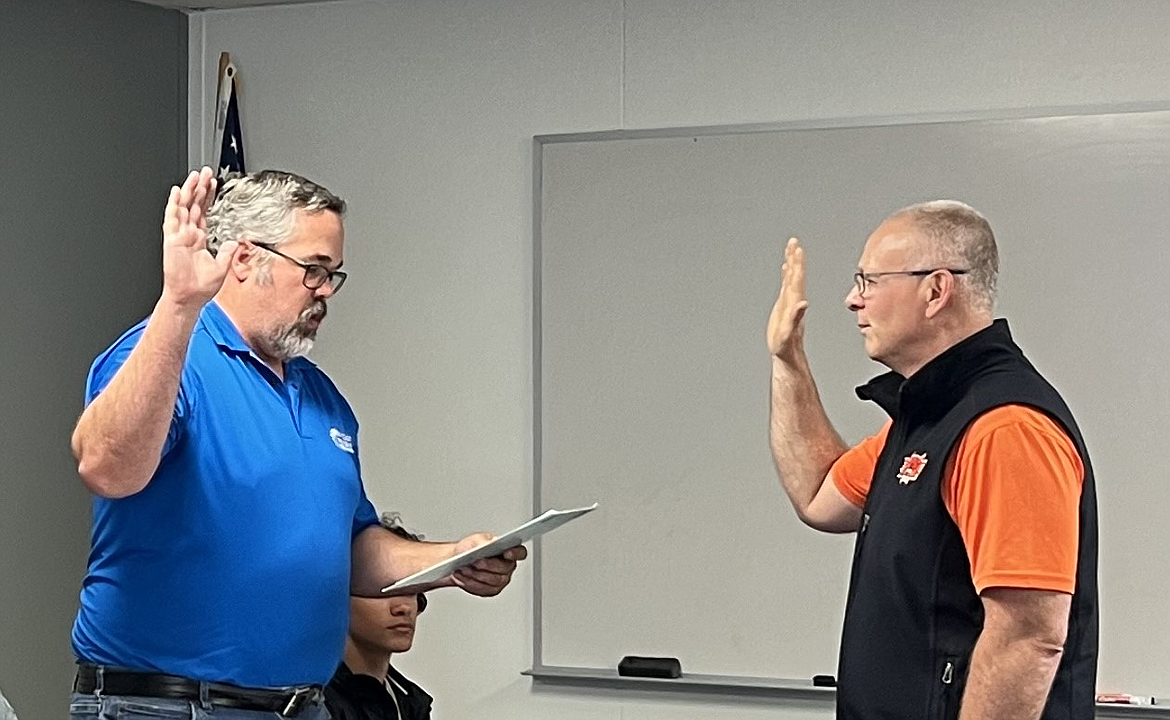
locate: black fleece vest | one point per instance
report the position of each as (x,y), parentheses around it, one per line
(913,615)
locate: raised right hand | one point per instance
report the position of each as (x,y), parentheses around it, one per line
(191,274)
(786,323)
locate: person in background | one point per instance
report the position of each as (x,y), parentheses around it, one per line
(367,686)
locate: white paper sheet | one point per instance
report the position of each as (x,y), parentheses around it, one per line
(538,525)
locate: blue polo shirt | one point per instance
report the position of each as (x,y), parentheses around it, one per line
(233,564)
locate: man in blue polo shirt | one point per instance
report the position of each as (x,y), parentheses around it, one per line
(230,522)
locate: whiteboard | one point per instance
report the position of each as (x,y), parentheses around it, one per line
(656,262)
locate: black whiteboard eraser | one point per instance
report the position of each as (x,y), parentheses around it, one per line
(824,681)
(653,667)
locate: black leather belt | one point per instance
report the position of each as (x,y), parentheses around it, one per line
(286,702)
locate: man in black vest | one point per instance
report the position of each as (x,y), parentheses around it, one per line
(973,591)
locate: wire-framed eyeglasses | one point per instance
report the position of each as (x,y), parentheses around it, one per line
(863,280)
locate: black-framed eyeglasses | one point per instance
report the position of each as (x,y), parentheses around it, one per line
(315,275)
(862,280)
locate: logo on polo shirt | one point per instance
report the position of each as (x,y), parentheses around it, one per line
(911,467)
(341,440)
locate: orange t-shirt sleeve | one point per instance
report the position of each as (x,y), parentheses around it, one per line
(1013,487)
(853,471)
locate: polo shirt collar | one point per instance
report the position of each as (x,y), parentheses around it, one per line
(223,331)
(221,328)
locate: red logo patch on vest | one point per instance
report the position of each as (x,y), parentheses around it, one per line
(911,467)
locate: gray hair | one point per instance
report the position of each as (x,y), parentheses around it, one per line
(962,239)
(260,207)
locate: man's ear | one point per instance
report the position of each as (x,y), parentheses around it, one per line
(939,289)
(242,266)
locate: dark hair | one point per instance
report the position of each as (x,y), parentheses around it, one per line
(392,521)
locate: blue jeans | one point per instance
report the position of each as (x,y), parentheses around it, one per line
(128,707)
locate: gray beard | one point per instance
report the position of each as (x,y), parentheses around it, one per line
(286,343)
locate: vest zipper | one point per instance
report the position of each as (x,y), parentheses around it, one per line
(861,528)
(948,705)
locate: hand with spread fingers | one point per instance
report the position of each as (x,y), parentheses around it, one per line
(191,274)
(489,576)
(785,332)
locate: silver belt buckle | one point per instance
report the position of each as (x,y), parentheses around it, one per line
(297,702)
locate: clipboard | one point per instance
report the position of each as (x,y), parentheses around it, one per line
(538,525)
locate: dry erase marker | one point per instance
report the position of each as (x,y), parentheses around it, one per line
(1124,699)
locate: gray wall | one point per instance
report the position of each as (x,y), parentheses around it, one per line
(93,114)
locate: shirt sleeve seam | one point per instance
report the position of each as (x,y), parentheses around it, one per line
(1025,580)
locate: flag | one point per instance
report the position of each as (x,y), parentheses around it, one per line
(227,122)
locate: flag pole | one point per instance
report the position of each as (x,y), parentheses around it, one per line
(227,75)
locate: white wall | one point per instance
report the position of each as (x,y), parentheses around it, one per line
(421,113)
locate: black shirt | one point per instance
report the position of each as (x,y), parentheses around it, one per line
(353,696)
